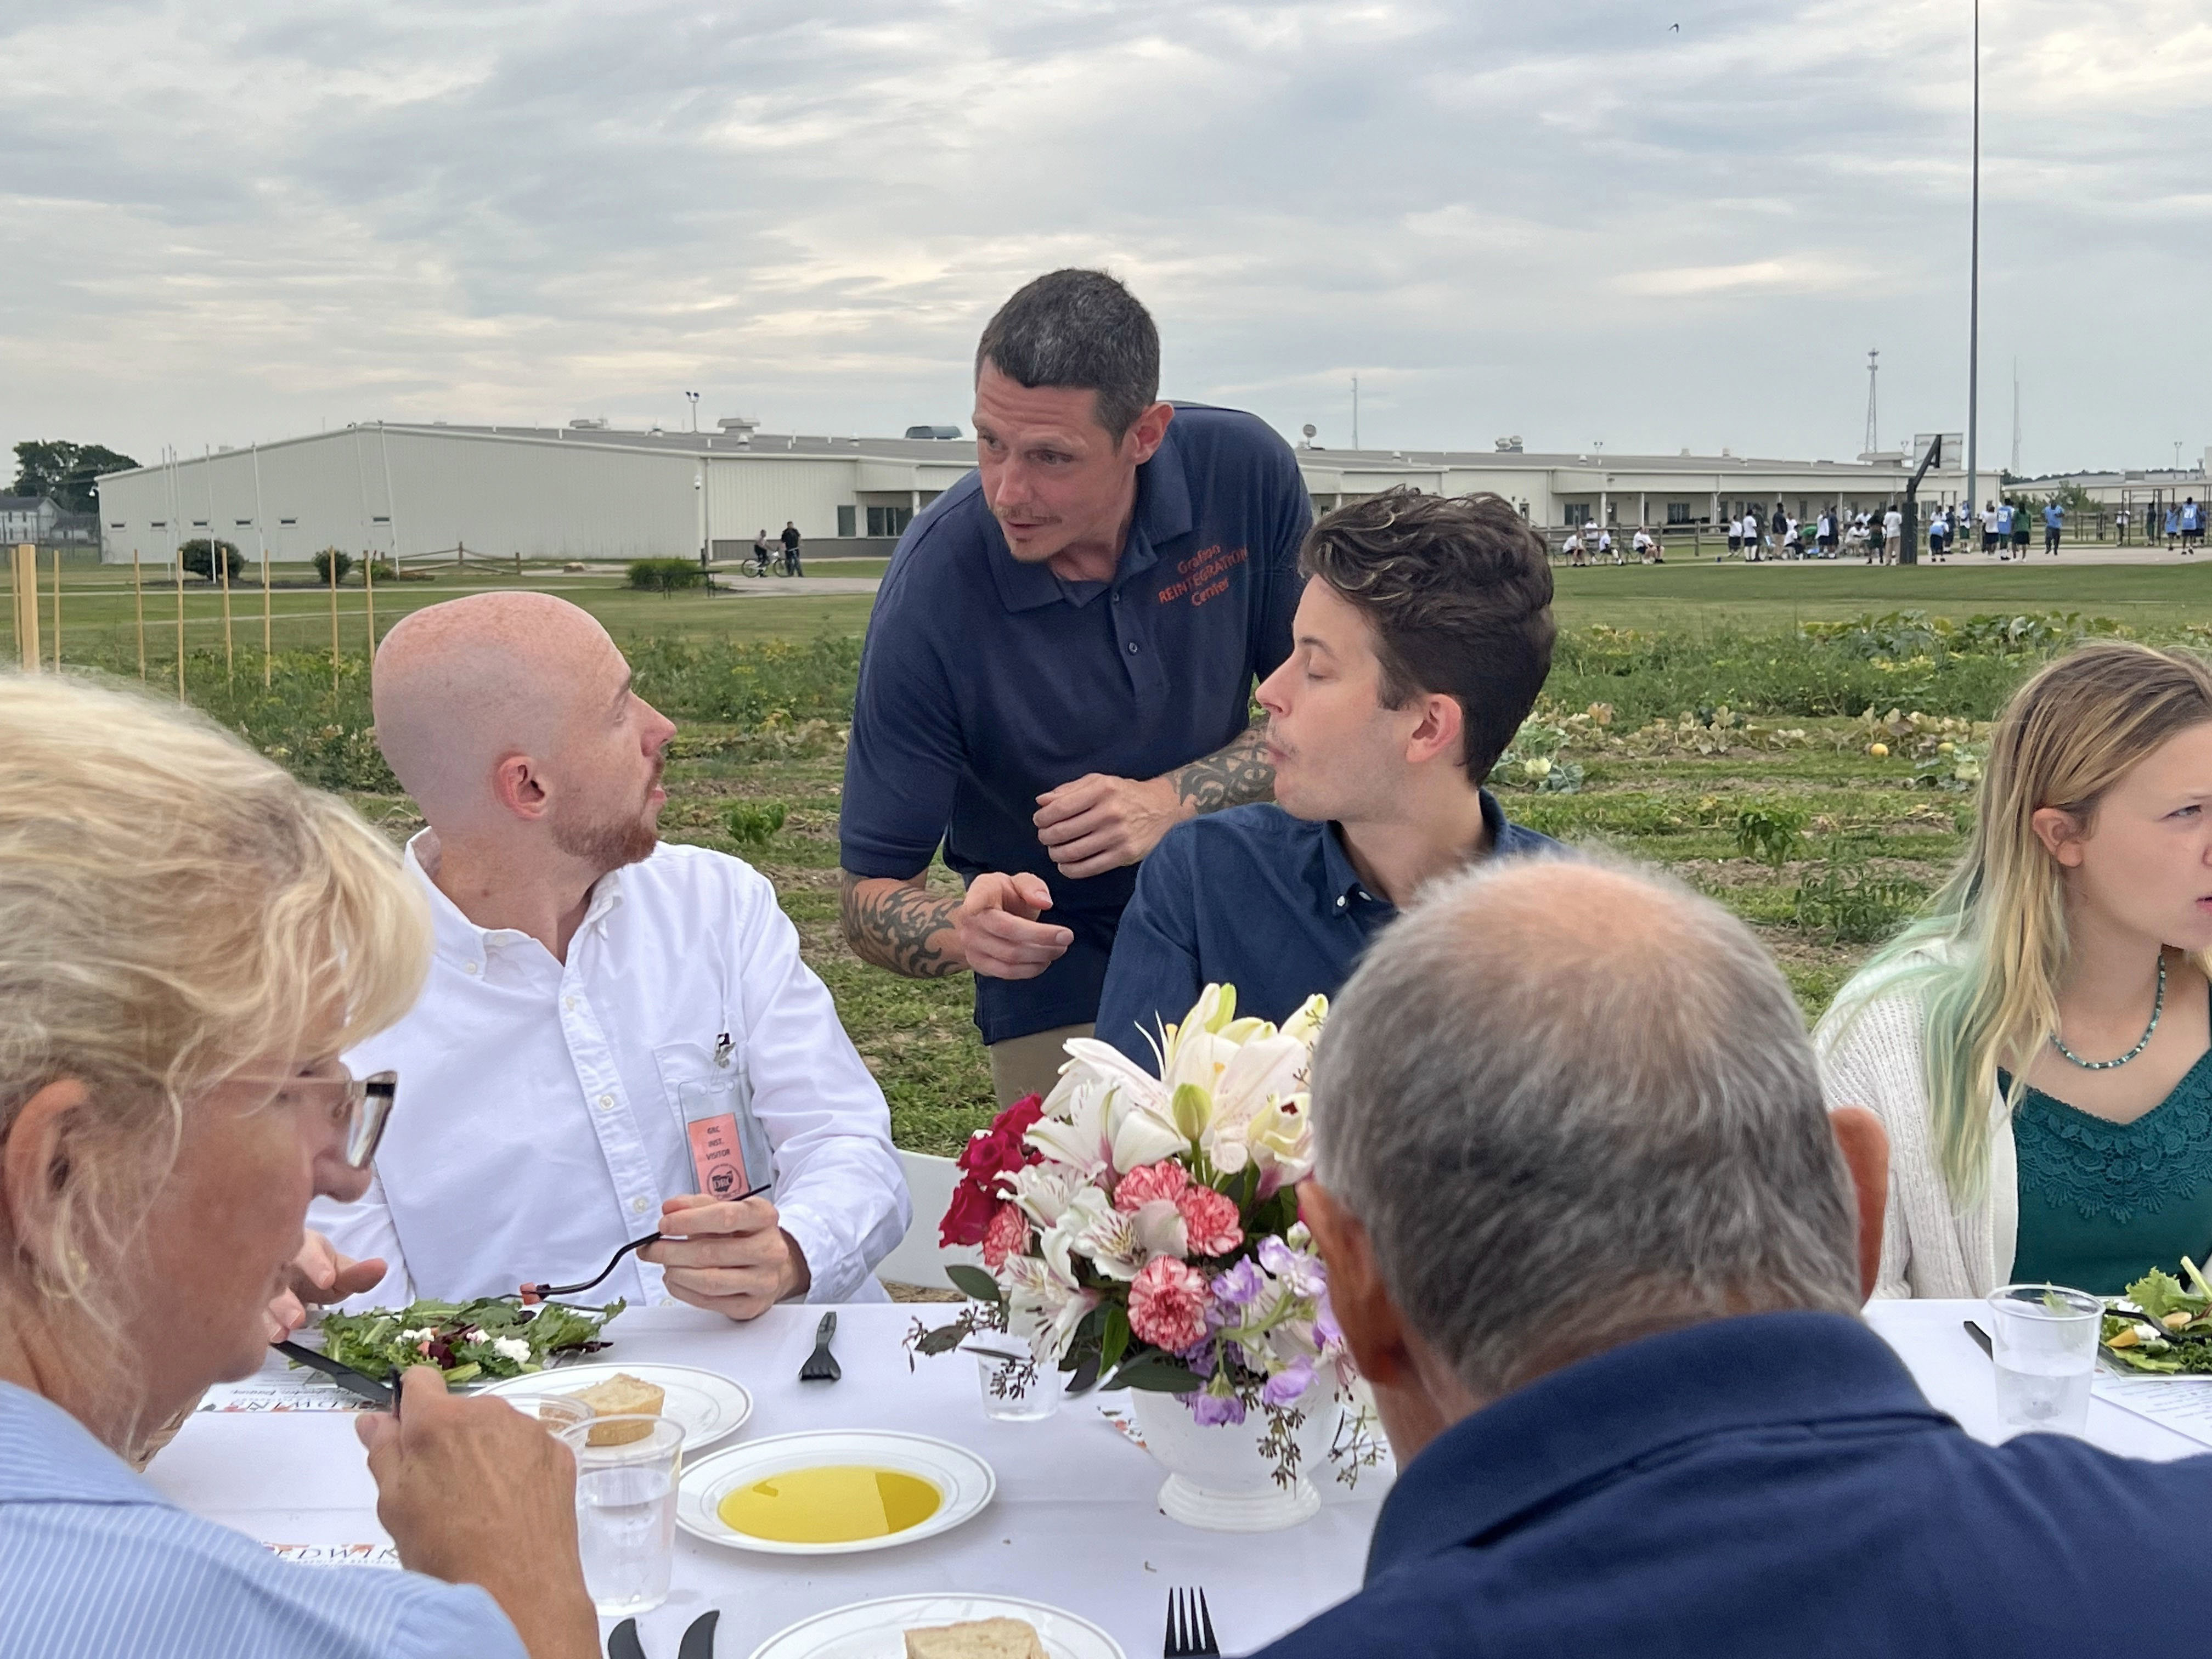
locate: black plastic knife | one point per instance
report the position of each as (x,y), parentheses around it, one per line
(699,1641)
(622,1643)
(377,1393)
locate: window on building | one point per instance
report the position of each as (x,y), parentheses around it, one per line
(159,524)
(1678,512)
(1579,513)
(381,518)
(115,523)
(242,523)
(199,524)
(847,518)
(288,521)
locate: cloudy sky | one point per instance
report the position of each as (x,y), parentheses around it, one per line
(1575,221)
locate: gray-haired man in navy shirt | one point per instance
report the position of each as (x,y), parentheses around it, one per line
(1419,646)
(1059,665)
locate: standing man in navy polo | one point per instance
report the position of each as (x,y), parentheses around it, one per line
(1060,666)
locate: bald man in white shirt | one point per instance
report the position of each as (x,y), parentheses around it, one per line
(586,972)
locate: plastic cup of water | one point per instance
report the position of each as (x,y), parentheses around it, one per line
(556,1411)
(1016,1388)
(626,1509)
(2045,1344)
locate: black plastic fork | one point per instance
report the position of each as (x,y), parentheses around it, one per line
(1190,1627)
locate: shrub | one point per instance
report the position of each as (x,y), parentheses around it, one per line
(199,561)
(325,559)
(1852,903)
(752,826)
(757,685)
(664,576)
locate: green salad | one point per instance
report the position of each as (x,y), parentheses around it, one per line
(493,1337)
(2169,1331)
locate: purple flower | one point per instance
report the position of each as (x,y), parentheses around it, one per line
(1212,1410)
(1284,1386)
(1328,1335)
(1242,1283)
(1303,1273)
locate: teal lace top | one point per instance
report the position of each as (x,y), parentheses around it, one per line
(2101,1203)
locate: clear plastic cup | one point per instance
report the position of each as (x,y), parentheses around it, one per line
(556,1411)
(626,1509)
(2044,1342)
(1016,1388)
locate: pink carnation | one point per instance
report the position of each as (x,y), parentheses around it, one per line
(1149,1183)
(1007,1235)
(1167,1304)
(1209,1220)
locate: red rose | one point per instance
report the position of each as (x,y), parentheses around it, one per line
(967,1217)
(990,1154)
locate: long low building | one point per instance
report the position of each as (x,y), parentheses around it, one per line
(586,491)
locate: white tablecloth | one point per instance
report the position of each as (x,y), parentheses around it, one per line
(1073,1523)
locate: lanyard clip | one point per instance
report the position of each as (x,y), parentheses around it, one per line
(722,1047)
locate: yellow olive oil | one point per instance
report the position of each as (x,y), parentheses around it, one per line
(838,1504)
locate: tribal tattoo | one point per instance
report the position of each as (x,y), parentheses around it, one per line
(898,926)
(1234,775)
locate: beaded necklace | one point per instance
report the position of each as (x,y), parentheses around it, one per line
(2157,1007)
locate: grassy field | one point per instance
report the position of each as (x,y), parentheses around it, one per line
(1690,722)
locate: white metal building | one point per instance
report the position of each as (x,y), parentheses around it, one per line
(587,492)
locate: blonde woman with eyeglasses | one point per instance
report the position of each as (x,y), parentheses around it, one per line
(188,938)
(2037,1043)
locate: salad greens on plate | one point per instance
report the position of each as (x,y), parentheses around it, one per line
(493,1337)
(2160,1327)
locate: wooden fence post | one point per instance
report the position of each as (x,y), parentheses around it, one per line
(26,591)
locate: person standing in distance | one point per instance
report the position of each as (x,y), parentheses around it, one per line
(791,549)
(1060,666)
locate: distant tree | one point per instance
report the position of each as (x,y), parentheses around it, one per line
(2075,497)
(197,560)
(323,562)
(665,576)
(64,471)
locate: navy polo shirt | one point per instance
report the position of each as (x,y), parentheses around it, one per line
(1768,1484)
(1254,898)
(986,681)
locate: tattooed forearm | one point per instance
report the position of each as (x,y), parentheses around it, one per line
(1232,776)
(899,924)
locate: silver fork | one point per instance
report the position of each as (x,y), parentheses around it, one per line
(1190,1627)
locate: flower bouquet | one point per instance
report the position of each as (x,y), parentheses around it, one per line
(1142,1231)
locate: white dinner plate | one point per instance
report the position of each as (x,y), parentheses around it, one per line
(707,1405)
(875,1630)
(964,1480)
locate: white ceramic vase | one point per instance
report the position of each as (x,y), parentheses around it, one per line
(1218,1477)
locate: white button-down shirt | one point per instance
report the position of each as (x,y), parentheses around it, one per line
(536,1130)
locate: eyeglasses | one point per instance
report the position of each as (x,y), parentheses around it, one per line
(360,1106)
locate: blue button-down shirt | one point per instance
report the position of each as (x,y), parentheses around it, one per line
(986,681)
(1254,898)
(1765,1485)
(94,1562)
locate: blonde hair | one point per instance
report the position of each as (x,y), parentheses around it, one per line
(171,906)
(1987,954)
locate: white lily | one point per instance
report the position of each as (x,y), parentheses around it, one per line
(1044,1191)
(1119,1243)
(1268,1067)
(1041,1308)
(1281,1141)
(1068,1235)
(1098,1122)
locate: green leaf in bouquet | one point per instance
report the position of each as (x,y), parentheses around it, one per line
(1113,1340)
(975,1283)
(1156,1373)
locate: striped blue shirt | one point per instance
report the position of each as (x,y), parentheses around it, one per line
(94,1563)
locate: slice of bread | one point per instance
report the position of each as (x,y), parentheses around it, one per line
(981,1638)
(621,1395)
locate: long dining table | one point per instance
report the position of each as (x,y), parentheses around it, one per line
(1073,1523)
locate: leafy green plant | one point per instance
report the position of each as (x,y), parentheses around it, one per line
(326,558)
(200,562)
(1851,903)
(1772,835)
(753,826)
(665,575)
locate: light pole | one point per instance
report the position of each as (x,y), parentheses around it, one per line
(1974,281)
(694,397)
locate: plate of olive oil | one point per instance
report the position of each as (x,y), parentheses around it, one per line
(837,1491)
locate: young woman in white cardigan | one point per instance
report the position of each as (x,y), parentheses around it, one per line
(2037,1043)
